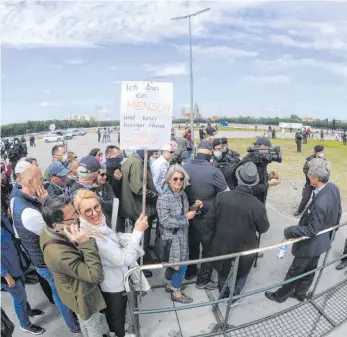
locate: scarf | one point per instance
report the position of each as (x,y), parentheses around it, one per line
(102,228)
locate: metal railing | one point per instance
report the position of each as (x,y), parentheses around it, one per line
(222,327)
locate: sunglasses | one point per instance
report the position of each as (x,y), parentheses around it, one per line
(172,152)
(178,179)
(102,174)
(90,211)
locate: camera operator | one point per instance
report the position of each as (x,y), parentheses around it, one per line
(262,154)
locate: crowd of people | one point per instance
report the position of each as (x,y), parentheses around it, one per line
(58,224)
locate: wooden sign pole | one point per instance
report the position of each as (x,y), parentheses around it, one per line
(144,192)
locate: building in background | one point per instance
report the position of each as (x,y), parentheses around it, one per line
(74,117)
(186,115)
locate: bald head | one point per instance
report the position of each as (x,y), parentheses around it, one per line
(31,179)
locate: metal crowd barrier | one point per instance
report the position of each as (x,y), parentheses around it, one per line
(222,328)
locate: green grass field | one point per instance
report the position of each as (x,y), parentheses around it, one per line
(293,161)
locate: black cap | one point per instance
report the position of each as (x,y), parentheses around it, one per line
(216,142)
(318,148)
(262,141)
(90,163)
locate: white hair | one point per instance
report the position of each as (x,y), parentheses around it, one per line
(177,168)
(320,169)
(82,174)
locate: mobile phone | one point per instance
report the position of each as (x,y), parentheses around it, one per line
(59,228)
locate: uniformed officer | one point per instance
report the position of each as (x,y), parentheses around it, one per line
(298,140)
(304,137)
(307,190)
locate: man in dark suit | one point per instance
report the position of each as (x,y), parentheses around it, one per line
(308,188)
(323,212)
(234,220)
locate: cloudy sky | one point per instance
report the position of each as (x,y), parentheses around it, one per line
(250,58)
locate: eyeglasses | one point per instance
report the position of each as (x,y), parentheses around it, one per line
(102,174)
(172,152)
(178,179)
(90,211)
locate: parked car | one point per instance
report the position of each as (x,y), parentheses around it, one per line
(63,134)
(77,132)
(52,137)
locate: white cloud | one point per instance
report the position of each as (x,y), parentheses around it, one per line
(45,104)
(218,51)
(288,62)
(165,70)
(75,61)
(115,67)
(46,91)
(273,79)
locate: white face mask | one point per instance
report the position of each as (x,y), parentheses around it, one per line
(64,158)
(321,155)
(218,154)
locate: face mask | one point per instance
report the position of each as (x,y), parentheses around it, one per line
(64,158)
(113,161)
(321,155)
(218,154)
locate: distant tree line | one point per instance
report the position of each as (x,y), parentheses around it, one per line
(43,126)
(273,121)
(28,127)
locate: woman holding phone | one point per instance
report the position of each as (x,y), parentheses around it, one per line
(115,256)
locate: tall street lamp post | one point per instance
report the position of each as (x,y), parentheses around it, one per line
(191,64)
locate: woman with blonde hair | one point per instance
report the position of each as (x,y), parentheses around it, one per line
(116,256)
(174,214)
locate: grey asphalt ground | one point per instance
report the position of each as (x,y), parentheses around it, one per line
(196,321)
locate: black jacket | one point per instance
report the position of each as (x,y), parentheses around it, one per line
(114,183)
(298,137)
(323,212)
(234,220)
(55,190)
(106,200)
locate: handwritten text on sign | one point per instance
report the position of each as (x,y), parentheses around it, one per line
(145,114)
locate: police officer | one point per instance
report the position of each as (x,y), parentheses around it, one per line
(307,190)
(298,140)
(222,161)
(344,138)
(229,155)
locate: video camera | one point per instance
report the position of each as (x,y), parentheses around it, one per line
(259,155)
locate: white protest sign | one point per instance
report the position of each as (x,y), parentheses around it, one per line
(52,127)
(145,114)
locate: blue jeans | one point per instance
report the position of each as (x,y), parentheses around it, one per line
(177,278)
(67,314)
(20,302)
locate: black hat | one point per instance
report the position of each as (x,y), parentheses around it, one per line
(318,148)
(90,163)
(205,145)
(224,140)
(216,142)
(248,174)
(262,141)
